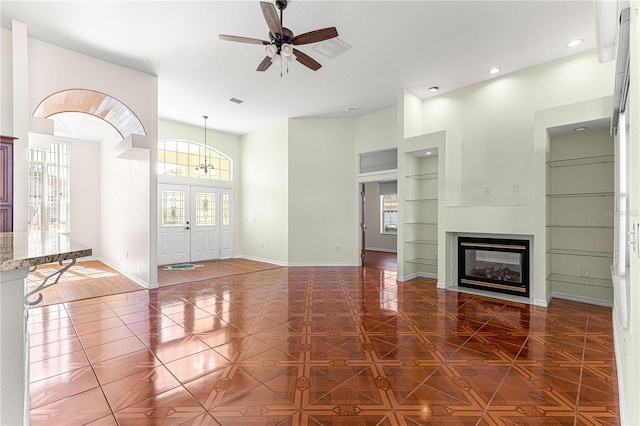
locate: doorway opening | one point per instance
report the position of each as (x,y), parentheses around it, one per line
(378,213)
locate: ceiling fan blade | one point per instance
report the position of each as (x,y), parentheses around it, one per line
(315,36)
(243,39)
(271,16)
(266,63)
(306,60)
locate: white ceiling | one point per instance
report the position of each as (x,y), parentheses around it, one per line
(395,44)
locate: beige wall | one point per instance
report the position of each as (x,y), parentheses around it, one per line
(264,195)
(323,193)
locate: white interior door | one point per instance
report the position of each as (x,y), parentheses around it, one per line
(205,223)
(174,224)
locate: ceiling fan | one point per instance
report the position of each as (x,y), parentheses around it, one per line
(281,40)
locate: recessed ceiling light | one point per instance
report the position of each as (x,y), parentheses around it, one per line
(434,89)
(574,43)
(349,109)
(580,129)
(236,100)
(494,70)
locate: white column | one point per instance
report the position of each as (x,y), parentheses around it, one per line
(14,349)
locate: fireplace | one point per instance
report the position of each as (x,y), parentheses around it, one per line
(494,264)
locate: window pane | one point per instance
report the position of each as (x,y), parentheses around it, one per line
(180,158)
(48,188)
(389,211)
(173,208)
(226,209)
(205,208)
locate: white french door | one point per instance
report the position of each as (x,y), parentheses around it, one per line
(205,223)
(195,224)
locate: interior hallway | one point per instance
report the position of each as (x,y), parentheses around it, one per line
(319,346)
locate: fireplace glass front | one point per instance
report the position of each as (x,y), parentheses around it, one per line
(492,264)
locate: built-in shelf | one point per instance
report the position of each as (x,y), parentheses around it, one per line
(575,279)
(582,194)
(581,161)
(426,242)
(423,261)
(420,218)
(422,176)
(587,253)
(580,205)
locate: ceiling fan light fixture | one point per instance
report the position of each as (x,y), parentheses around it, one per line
(286,50)
(276,60)
(271,50)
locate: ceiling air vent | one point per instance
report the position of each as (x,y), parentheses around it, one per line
(236,100)
(332,48)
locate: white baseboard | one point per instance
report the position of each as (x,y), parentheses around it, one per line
(260,259)
(582,299)
(621,400)
(416,275)
(145,285)
(311,264)
(385,250)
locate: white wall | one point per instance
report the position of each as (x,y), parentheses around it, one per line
(628,341)
(496,122)
(128,205)
(323,195)
(6,86)
(84,173)
(374,239)
(264,197)
(375,131)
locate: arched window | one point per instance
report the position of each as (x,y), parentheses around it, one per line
(180,158)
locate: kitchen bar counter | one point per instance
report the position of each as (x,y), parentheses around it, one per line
(23,249)
(20,251)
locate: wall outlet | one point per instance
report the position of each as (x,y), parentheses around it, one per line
(261,245)
(584,272)
(487,190)
(338,248)
(515,188)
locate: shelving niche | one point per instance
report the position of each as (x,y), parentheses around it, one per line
(421,215)
(580,206)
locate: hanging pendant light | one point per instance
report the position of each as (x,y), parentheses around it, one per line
(203,168)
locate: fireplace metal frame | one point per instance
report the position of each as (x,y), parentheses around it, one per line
(498,245)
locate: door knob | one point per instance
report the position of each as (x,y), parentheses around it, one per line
(186,227)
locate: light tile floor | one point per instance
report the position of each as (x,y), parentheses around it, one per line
(319,346)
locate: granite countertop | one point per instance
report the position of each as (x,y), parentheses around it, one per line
(23,249)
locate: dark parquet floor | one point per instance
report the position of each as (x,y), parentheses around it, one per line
(319,346)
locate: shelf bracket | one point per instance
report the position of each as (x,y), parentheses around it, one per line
(45,284)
